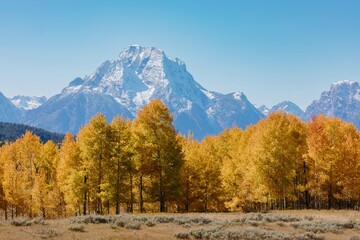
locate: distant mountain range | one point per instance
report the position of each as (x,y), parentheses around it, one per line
(139,74)
(286,106)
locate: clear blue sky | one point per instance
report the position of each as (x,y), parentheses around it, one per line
(270,50)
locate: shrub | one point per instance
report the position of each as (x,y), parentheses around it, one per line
(21,221)
(247,234)
(37,220)
(113,226)
(186,225)
(202,233)
(120,223)
(164,219)
(182,235)
(150,223)
(133,225)
(46,233)
(97,219)
(311,236)
(349,225)
(323,227)
(268,217)
(76,227)
(255,223)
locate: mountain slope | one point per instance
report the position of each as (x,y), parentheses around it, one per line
(263,109)
(127,83)
(342,100)
(234,109)
(68,113)
(288,107)
(8,112)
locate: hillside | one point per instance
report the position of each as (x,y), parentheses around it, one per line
(12,131)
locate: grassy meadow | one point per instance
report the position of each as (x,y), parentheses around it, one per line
(290,224)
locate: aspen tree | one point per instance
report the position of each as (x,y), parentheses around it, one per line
(70,177)
(95,152)
(121,166)
(159,152)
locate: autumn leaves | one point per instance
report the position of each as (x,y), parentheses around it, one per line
(107,168)
(283,162)
(144,165)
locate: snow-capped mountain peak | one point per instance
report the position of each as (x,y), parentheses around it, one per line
(135,54)
(139,74)
(28,103)
(343,82)
(239,95)
(342,100)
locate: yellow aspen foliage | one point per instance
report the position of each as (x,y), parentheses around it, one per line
(210,156)
(158,152)
(333,157)
(235,168)
(69,177)
(229,141)
(14,181)
(95,152)
(201,175)
(20,172)
(190,174)
(3,202)
(46,191)
(121,164)
(281,145)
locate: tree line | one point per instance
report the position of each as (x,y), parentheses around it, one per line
(11,131)
(145,165)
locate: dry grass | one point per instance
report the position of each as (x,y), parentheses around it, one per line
(297,225)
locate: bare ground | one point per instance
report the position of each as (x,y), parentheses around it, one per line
(303,224)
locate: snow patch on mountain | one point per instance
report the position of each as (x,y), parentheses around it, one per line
(208,94)
(238,95)
(343,82)
(263,109)
(28,103)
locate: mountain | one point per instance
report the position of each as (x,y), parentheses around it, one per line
(8,112)
(342,101)
(125,84)
(69,112)
(263,109)
(288,107)
(234,109)
(12,131)
(27,103)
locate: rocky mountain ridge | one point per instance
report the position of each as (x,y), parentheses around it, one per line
(125,84)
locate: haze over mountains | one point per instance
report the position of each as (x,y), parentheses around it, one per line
(124,85)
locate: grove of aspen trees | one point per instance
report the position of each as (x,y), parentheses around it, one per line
(144,165)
